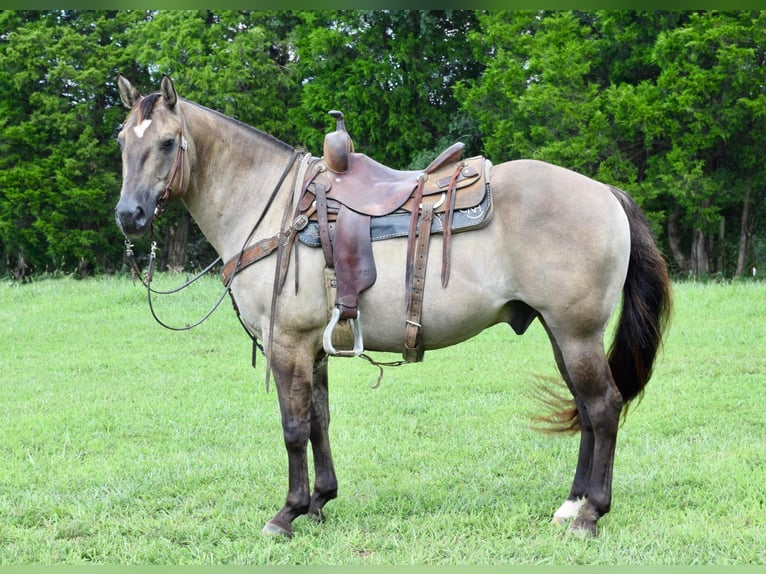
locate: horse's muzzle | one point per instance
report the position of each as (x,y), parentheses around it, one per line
(133,218)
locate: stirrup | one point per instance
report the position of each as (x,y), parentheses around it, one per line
(356,327)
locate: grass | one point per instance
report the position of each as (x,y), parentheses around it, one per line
(125,443)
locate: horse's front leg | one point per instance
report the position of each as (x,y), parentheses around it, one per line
(293,379)
(325,482)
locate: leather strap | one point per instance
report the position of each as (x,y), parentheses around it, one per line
(412,235)
(254,253)
(300,185)
(324,231)
(171,191)
(413,342)
(447,231)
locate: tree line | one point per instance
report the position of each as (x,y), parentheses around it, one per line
(668,105)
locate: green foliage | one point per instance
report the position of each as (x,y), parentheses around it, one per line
(667,105)
(526,82)
(390,72)
(709,92)
(57,173)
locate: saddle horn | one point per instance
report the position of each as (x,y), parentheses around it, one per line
(338,145)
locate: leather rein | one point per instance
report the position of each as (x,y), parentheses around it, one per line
(167,194)
(246,257)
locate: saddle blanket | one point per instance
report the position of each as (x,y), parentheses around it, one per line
(397,224)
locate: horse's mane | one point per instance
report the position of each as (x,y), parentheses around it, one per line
(146,108)
(276,141)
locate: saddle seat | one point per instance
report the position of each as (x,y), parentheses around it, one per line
(371,188)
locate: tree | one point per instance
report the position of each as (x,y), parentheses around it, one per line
(710,99)
(667,105)
(391,73)
(57,171)
(537,97)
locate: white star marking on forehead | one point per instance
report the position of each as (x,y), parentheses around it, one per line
(142,127)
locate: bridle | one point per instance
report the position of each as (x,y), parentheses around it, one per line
(178,165)
(164,198)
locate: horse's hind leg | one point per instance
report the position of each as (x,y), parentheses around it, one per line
(578,493)
(583,365)
(325,482)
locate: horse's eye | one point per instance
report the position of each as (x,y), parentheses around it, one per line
(167,145)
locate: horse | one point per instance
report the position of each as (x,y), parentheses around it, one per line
(561,248)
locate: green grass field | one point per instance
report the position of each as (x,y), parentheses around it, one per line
(125,443)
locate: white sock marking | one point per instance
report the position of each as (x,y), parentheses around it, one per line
(570,509)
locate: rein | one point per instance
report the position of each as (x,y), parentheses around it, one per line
(147,279)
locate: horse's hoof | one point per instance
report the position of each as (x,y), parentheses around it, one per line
(272,529)
(584,529)
(568,511)
(317,515)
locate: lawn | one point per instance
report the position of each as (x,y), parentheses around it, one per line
(125,443)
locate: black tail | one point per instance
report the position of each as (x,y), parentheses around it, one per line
(646,307)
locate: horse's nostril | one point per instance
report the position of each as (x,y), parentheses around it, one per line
(132,219)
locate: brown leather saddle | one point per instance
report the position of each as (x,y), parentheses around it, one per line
(345,194)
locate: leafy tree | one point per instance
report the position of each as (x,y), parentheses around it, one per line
(57,171)
(709,106)
(391,73)
(667,105)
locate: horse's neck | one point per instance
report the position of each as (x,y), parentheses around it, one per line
(236,170)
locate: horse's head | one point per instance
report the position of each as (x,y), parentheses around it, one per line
(153,145)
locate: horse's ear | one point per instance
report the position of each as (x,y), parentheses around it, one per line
(168,91)
(128,94)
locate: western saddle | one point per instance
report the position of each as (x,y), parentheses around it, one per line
(347,200)
(346,190)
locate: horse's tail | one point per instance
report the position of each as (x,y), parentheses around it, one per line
(646,307)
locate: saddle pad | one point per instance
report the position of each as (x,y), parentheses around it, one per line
(397,224)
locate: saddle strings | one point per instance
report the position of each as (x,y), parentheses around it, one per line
(380,365)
